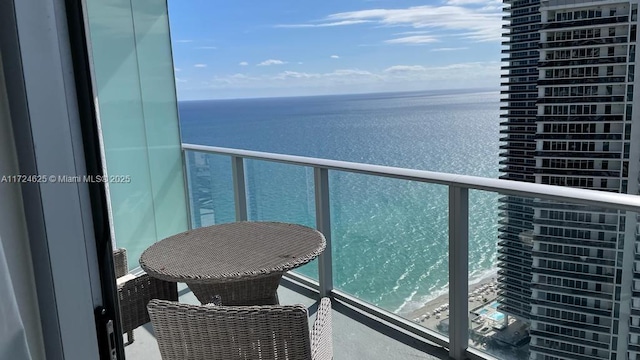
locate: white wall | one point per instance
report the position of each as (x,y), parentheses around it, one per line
(13,232)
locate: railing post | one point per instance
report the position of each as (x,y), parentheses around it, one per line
(187,190)
(323,224)
(239,189)
(458,272)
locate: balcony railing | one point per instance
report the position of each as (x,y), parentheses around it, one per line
(458,228)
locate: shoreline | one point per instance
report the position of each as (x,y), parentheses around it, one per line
(434,311)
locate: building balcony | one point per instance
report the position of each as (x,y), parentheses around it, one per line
(519,91)
(354,335)
(585,22)
(578,136)
(533,63)
(578,172)
(585,61)
(225,185)
(518,129)
(520,41)
(515,80)
(581,99)
(583,80)
(579,154)
(584,42)
(552,118)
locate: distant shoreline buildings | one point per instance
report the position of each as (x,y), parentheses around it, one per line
(569,270)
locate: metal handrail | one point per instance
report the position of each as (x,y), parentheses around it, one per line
(507,187)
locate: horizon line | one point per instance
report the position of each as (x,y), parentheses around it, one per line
(478,89)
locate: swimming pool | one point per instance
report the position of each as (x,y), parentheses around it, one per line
(497,316)
(495,304)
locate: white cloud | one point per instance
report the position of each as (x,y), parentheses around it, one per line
(184,41)
(205,47)
(335,57)
(393,78)
(294,75)
(272,62)
(404,68)
(351,72)
(467,2)
(415,39)
(179,80)
(177,69)
(243,63)
(330,24)
(478,20)
(200,65)
(420,32)
(449,49)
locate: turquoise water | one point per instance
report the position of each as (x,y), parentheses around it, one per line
(389,236)
(497,316)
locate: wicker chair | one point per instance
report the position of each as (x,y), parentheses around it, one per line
(134,295)
(269,332)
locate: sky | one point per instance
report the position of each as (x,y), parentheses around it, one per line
(256,48)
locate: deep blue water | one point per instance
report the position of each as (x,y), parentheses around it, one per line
(389,236)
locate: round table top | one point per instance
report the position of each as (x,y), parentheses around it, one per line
(232,252)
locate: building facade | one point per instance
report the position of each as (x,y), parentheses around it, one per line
(518,150)
(582,300)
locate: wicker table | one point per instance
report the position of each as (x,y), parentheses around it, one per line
(241,262)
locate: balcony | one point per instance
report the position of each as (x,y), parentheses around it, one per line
(364,327)
(354,335)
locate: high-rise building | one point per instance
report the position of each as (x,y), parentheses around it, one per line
(518,152)
(583,300)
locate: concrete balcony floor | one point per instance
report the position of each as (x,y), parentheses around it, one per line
(355,336)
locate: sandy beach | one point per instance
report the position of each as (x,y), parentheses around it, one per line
(425,315)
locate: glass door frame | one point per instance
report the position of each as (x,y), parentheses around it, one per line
(51,103)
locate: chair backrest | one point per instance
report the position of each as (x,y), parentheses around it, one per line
(201,332)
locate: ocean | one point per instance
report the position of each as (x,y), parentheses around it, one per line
(389,236)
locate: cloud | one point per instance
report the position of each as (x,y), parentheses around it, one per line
(330,24)
(200,65)
(415,39)
(465,2)
(478,20)
(205,47)
(419,32)
(177,69)
(179,80)
(397,77)
(243,63)
(449,49)
(404,68)
(335,57)
(184,41)
(272,62)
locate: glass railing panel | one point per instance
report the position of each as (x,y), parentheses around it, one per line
(210,189)
(390,244)
(491,329)
(564,282)
(281,192)
(133,77)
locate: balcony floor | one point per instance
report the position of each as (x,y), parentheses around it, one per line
(355,336)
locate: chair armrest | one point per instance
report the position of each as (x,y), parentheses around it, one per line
(120,262)
(136,293)
(124,279)
(321,334)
